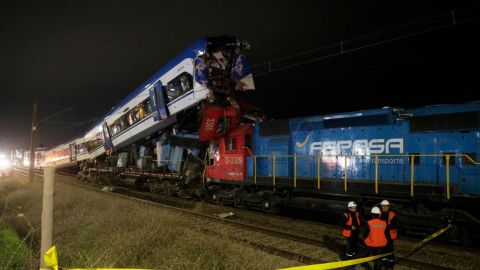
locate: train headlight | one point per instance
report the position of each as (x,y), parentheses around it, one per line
(4,164)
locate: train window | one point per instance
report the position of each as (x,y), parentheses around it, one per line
(248,142)
(452,158)
(95,142)
(130,118)
(81,149)
(222,124)
(232,141)
(416,161)
(152,98)
(113,129)
(121,124)
(467,161)
(178,86)
(139,112)
(146,107)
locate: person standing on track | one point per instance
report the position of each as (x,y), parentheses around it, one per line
(391,231)
(351,224)
(375,240)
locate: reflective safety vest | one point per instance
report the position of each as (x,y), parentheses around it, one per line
(393,233)
(347,232)
(376,237)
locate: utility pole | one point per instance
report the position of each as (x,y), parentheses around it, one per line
(47,214)
(32,144)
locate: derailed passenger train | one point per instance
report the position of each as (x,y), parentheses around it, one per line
(209,71)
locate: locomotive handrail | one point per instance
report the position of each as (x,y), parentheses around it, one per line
(412,158)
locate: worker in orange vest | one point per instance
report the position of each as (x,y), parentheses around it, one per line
(391,231)
(375,240)
(351,224)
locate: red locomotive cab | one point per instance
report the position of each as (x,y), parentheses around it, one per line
(229,160)
(216,122)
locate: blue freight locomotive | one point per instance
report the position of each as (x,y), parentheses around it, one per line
(424,161)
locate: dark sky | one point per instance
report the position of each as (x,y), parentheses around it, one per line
(92,54)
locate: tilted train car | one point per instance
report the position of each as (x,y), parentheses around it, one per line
(425,161)
(209,66)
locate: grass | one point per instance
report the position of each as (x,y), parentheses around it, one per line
(13,250)
(94,231)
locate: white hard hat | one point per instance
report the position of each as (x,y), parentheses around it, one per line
(384,202)
(375,210)
(352,204)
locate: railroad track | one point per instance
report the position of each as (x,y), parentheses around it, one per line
(311,251)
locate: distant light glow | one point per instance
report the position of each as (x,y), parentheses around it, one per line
(4,163)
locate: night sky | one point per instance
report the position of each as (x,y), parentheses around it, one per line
(89,55)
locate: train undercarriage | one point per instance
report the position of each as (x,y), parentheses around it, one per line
(422,215)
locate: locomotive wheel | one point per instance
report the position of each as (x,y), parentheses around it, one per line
(167,190)
(277,209)
(465,237)
(237,202)
(181,193)
(219,201)
(266,205)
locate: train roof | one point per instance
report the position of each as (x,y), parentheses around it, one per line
(382,116)
(446,108)
(65,142)
(193,51)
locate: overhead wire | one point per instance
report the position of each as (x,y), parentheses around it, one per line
(341,45)
(44,132)
(402,27)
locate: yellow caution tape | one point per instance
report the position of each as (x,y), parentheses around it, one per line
(51,258)
(334,265)
(431,237)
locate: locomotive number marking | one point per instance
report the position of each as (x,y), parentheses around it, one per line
(210,124)
(233,160)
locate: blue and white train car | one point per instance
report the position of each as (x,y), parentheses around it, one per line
(208,66)
(67,154)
